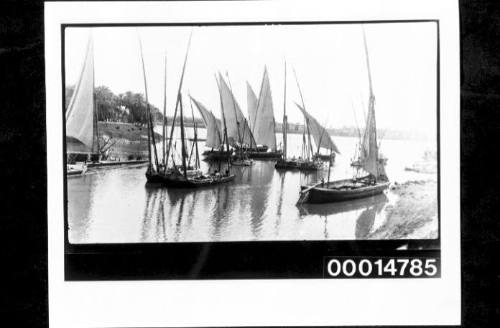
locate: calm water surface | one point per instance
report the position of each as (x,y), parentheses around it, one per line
(114,205)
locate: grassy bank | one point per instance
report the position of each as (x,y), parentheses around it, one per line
(127,140)
(414,215)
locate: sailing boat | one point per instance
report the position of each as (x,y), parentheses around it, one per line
(321,137)
(82,142)
(372,184)
(214,139)
(306,162)
(261,120)
(178,176)
(239,135)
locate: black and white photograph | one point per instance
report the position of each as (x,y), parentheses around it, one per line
(251,132)
(233,150)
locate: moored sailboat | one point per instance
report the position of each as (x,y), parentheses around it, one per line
(214,139)
(179,176)
(307,161)
(369,160)
(82,138)
(239,134)
(261,121)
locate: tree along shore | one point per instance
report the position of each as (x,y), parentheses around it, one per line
(130,107)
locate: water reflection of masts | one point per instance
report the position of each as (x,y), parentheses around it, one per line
(262,176)
(161,234)
(220,211)
(148,214)
(280,203)
(179,219)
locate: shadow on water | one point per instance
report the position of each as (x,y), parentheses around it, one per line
(370,206)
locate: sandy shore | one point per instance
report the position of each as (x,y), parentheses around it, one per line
(414,215)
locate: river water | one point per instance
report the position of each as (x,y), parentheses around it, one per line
(114,205)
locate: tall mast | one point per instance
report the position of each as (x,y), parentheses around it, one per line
(182,140)
(178,100)
(196,159)
(164,112)
(151,135)
(96,110)
(371,108)
(368,64)
(224,123)
(306,119)
(285,120)
(235,112)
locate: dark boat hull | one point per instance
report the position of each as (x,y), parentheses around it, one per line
(332,192)
(216,155)
(264,155)
(179,181)
(296,165)
(324,158)
(286,165)
(116,163)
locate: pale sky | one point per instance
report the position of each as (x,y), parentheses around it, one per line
(329,61)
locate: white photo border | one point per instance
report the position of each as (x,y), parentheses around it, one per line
(258,302)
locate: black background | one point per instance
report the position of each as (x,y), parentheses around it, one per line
(23,163)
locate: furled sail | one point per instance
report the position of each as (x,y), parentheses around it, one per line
(238,131)
(319,133)
(214,132)
(263,123)
(80,112)
(252,106)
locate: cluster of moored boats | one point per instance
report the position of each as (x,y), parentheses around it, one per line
(235,140)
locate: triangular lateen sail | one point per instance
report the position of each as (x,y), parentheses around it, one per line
(252,106)
(213,126)
(319,133)
(369,147)
(238,131)
(263,123)
(80,112)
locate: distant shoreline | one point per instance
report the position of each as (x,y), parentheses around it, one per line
(294,128)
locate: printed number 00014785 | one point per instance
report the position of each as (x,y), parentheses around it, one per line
(382,267)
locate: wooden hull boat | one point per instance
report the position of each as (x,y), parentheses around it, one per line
(75,170)
(309,166)
(264,155)
(216,155)
(286,165)
(297,165)
(341,190)
(325,209)
(324,157)
(177,180)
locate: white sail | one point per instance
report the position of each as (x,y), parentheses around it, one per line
(319,133)
(252,106)
(369,158)
(369,148)
(214,132)
(238,131)
(263,123)
(80,112)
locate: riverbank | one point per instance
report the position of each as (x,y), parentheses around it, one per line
(414,214)
(127,141)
